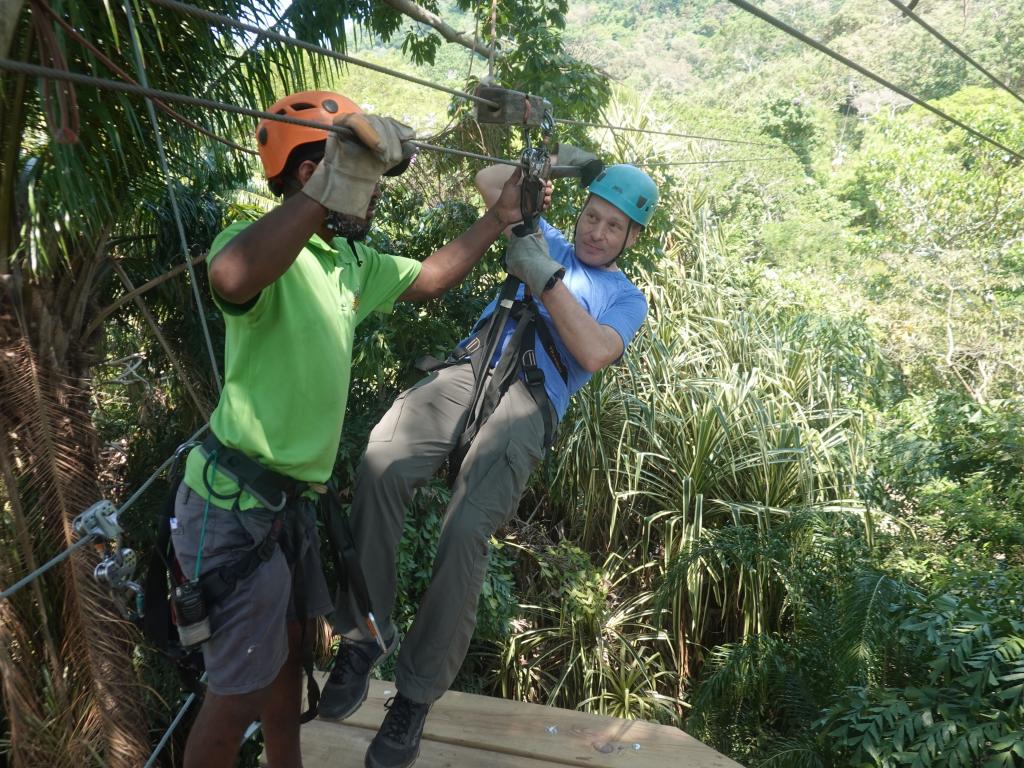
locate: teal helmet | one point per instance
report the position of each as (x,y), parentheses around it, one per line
(629,189)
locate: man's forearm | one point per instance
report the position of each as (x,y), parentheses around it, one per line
(449,265)
(592,345)
(490,180)
(264,250)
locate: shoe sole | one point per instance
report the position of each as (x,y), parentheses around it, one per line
(369,762)
(332,717)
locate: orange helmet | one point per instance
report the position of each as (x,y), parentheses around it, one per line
(276,140)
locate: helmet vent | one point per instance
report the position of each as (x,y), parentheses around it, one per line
(302,105)
(281,112)
(262,135)
(641,201)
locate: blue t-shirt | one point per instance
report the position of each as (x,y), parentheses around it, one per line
(607,295)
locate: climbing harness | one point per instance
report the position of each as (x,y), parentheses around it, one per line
(519,358)
(190,598)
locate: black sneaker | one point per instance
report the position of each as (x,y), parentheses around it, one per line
(397,743)
(349,681)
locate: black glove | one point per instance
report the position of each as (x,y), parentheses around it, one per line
(590,167)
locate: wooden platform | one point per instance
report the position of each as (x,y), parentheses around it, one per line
(466,731)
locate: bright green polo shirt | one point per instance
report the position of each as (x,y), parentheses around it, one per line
(288,358)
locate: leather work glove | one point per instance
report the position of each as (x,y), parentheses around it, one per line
(386,137)
(590,167)
(527,258)
(347,176)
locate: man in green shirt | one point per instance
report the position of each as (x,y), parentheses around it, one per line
(292,287)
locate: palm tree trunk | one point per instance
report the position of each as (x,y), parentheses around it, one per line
(69,690)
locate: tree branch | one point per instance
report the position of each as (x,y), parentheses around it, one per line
(122,300)
(422,15)
(155,327)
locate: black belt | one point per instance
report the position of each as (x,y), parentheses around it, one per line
(271,489)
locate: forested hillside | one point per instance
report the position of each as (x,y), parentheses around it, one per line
(790,521)
(896,231)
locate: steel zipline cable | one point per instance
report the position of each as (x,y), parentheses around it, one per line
(955,48)
(138,90)
(793,32)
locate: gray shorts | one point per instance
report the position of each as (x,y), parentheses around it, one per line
(249,641)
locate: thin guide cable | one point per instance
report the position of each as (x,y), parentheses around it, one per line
(144,81)
(86,539)
(659,164)
(45,567)
(172,727)
(191,10)
(584,124)
(781,25)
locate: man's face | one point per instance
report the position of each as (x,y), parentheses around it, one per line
(602,233)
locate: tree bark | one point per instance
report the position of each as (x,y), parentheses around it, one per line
(9,12)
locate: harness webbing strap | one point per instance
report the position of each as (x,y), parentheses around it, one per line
(276,492)
(346,561)
(501,379)
(520,356)
(490,332)
(271,489)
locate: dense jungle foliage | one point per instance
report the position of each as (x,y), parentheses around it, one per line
(791,521)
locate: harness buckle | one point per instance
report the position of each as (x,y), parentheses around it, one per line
(534,376)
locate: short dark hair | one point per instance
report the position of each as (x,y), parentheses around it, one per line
(286,181)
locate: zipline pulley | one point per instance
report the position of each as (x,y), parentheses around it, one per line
(514,108)
(98,520)
(116,572)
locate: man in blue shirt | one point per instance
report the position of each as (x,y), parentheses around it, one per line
(592,311)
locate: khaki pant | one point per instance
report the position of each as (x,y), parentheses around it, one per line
(405,450)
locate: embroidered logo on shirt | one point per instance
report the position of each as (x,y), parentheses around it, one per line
(355,302)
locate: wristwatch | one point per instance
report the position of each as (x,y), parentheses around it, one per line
(554,279)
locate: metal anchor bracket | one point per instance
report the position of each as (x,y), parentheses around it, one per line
(513,108)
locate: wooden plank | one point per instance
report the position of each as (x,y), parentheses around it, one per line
(546,734)
(336,745)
